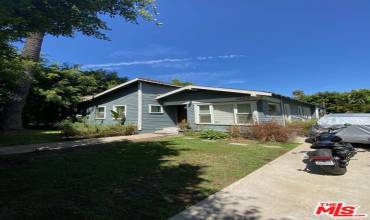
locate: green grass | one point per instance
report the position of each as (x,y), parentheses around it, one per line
(141,180)
(29,137)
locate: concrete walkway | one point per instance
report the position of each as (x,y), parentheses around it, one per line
(287,188)
(17,149)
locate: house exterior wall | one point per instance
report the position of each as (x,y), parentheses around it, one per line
(290,114)
(129,96)
(156,121)
(193,98)
(260,115)
(126,96)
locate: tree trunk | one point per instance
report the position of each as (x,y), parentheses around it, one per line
(12,113)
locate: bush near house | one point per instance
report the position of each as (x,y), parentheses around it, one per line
(213,134)
(270,132)
(267,132)
(301,128)
(86,130)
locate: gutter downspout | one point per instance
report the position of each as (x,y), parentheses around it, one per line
(140,107)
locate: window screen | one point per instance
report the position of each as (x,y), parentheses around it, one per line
(223,114)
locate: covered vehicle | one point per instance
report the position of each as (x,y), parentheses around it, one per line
(355,126)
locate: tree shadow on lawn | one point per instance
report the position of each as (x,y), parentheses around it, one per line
(112,181)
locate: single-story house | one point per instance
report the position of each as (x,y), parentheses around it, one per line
(154,105)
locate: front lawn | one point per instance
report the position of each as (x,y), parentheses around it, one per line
(29,137)
(142,180)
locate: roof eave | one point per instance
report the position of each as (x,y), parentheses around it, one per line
(129,83)
(246,92)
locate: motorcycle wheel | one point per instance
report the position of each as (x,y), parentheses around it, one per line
(334,170)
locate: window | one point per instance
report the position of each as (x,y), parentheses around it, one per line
(100,112)
(205,114)
(273,108)
(155,109)
(223,114)
(120,109)
(244,114)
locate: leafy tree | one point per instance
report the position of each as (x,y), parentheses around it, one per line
(57,90)
(106,79)
(336,102)
(298,93)
(180,83)
(11,73)
(34,18)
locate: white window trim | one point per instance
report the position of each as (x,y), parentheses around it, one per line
(115,109)
(254,112)
(236,113)
(210,113)
(150,109)
(105,111)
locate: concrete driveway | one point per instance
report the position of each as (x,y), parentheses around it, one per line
(286,189)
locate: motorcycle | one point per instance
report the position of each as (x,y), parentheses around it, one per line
(332,155)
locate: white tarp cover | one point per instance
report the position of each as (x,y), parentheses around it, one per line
(341,119)
(356,134)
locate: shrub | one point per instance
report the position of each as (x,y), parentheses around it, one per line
(213,134)
(301,127)
(183,125)
(235,131)
(119,116)
(130,129)
(270,132)
(85,130)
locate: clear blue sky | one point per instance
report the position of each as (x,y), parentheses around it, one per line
(278,46)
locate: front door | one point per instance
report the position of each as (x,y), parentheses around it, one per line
(181,113)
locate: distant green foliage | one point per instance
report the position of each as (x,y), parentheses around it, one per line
(337,102)
(103,80)
(180,83)
(57,91)
(86,130)
(213,134)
